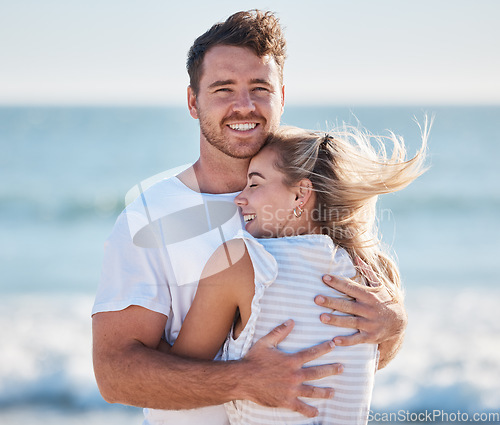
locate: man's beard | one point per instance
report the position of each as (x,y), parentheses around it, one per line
(233,148)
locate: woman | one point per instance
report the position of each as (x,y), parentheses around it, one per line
(310,200)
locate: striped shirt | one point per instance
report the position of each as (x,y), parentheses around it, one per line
(288,275)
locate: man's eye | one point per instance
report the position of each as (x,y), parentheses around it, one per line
(261,89)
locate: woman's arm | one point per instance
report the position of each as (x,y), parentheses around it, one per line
(227,284)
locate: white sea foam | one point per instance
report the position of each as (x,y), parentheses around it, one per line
(47,356)
(450,356)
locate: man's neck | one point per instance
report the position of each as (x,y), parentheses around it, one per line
(210,177)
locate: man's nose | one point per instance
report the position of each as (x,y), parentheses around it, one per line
(244,103)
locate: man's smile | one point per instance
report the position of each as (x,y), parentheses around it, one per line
(243,126)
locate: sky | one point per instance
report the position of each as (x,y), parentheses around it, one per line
(124,52)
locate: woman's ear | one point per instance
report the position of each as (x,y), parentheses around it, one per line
(304,190)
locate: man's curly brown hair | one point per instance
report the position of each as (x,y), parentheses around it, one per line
(257,30)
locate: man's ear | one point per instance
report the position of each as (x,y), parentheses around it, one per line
(304,191)
(191,99)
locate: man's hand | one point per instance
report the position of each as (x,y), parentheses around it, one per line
(277,378)
(372,311)
(130,370)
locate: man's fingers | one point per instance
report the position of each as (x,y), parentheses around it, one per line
(351,322)
(343,305)
(348,287)
(312,353)
(317,372)
(304,409)
(278,334)
(364,294)
(357,338)
(311,391)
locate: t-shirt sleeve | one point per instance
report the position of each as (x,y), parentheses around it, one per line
(131,275)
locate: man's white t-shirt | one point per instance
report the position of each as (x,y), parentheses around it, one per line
(154,258)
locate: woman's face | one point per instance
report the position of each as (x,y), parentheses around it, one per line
(266,202)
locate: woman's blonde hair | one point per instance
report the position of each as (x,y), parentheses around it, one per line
(349,168)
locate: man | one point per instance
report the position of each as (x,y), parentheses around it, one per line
(162,240)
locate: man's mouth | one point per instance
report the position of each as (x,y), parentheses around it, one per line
(243,126)
(249,217)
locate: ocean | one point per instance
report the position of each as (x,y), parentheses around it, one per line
(64,174)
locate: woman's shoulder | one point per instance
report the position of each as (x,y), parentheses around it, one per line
(228,258)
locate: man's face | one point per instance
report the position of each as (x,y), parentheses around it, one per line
(239,102)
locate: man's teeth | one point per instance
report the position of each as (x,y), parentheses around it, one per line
(249,217)
(243,127)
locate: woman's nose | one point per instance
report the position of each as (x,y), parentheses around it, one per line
(240,200)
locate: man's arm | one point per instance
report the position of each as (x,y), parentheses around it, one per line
(378,318)
(129,369)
